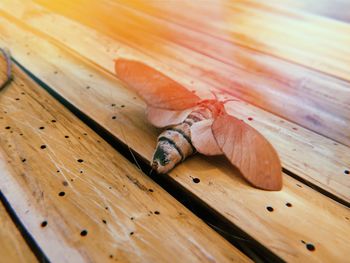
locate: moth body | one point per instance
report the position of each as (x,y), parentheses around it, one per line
(197,125)
(175,143)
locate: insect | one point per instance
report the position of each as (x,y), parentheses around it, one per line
(196,125)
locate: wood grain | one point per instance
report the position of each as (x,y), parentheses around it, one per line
(263,80)
(80,199)
(289,222)
(301,151)
(268,26)
(13,248)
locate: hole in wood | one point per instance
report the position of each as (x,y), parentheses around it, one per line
(157,212)
(44,224)
(114,117)
(84,233)
(42,127)
(104,221)
(131,233)
(347,172)
(80,160)
(66,136)
(310,247)
(151,190)
(196,180)
(7,127)
(123,106)
(61,193)
(269,208)
(250,119)
(65,183)
(43,146)
(289,204)
(23,160)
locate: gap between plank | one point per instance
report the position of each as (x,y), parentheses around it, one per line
(316,188)
(236,236)
(88,121)
(34,247)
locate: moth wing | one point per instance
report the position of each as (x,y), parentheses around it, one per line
(156,89)
(248,150)
(203,139)
(162,118)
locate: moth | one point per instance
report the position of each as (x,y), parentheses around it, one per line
(199,125)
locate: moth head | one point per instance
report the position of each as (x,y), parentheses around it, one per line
(165,157)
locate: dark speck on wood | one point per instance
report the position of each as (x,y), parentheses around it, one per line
(137,183)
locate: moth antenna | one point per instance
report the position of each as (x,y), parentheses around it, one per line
(135,160)
(132,154)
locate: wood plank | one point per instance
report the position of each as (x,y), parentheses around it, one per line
(301,150)
(306,39)
(81,200)
(262,80)
(13,248)
(300,215)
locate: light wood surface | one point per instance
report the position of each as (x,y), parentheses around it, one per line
(301,217)
(298,93)
(273,27)
(81,200)
(301,151)
(13,247)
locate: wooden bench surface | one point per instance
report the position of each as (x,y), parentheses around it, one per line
(297,97)
(12,244)
(295,144)
(80,199)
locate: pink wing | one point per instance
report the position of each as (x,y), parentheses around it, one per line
(158,90)
(161,118)
(248,150)
(203,139)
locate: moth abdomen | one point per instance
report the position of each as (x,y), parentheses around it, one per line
(174,145)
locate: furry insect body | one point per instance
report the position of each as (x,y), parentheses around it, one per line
(197,125)
(175,143)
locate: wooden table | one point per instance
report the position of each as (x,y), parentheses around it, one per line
(75,143)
